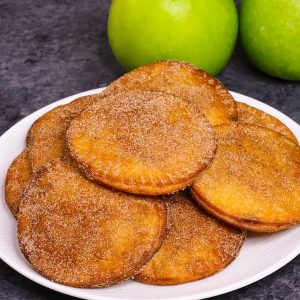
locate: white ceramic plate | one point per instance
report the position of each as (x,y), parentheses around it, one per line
(260,256)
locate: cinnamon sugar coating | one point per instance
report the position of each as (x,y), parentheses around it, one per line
(142,142)
(46,137)
(186,81)
(251,115)
(17,177)
(253,179)
(196,247)
(78,233)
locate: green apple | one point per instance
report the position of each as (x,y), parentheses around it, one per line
(202,32)
(270,34)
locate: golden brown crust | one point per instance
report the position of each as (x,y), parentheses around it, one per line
(186,81)
(78,233)
(142,142)
(17,177)
(28,136)
(196,247)
(251,115)
(253,179)
(248,225)
(46,137)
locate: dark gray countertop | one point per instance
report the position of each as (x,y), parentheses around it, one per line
(52,49)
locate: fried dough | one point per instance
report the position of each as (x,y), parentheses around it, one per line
(142,142)
(186,81)
(17,177)
(249,225)
(78,233)
(196,247)
(28,136)
(253,179)
(251,115)
(46,138)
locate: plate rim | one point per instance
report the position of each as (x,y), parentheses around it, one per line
(80,293)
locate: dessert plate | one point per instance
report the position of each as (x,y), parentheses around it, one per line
(261,255)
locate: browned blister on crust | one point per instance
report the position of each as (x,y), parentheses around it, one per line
(253,181)
(186,81)
(46,137)
(251,115)
(142,142)
(78,233)
(196,247)
(17,177)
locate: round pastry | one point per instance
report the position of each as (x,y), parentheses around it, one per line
(253,179)
(78,233)
(197,245)
(142,142)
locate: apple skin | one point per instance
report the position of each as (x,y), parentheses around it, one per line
(202,32)
(270,34)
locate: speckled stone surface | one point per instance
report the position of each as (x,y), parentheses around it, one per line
(51,49)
